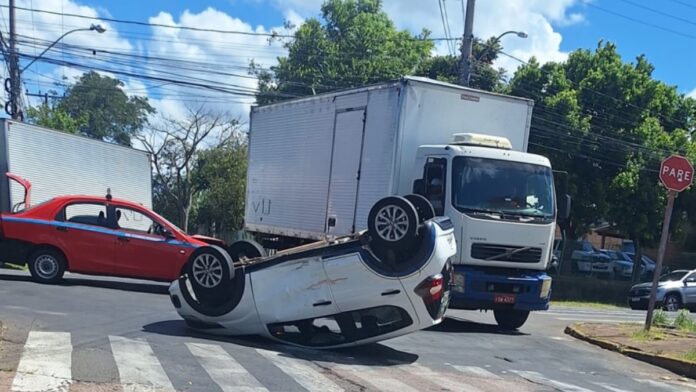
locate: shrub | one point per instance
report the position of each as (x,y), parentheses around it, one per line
(684,322)
(660,318)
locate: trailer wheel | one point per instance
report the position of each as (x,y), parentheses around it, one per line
(393,223)
(210,271)
(423,207)
(510,320)
(244,250)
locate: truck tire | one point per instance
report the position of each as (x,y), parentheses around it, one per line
(210,272)
(47,265)
(510,320)
(393,223)
(423,207)
(244,250)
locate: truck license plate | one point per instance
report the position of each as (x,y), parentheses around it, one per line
(503,298)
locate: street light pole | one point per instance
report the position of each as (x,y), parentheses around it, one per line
(12,106)
(467,43)
(497,39)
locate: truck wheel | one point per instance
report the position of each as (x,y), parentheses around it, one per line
(393,223)
(209,272)
(244,250)
(46,265)
(423,207)
(510,320)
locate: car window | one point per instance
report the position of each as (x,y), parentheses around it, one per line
(136,221)
(85,213)
(672,277)
(691,278)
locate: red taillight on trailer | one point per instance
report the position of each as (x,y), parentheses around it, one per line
(431,289)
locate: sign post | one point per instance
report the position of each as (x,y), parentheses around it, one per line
(676,174)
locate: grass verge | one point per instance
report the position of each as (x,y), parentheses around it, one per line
(586,304)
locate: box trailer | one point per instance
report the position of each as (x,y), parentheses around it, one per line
(58,163)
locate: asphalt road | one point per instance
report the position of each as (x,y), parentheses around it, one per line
(99,334)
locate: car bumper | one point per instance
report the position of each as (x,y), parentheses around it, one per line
(476,289)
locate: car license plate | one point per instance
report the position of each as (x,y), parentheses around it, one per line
(503,298)
(635,299)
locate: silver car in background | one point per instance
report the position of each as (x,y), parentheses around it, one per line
(675,290)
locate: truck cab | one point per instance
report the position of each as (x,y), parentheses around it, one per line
(503,207)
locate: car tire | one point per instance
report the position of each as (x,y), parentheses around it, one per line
(423,207)
(393,224)
(510,320)
(672,302)
(244,250)
(47,265)
(209,271)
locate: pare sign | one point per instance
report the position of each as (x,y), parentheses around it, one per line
(676,173)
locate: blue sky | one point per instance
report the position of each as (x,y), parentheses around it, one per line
(555,27)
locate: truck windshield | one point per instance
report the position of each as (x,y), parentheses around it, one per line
(502,187)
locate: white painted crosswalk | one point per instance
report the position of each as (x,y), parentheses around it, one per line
(46,364)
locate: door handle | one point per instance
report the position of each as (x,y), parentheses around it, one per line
(322,303)
(123,239)
(61,228)
(391,292)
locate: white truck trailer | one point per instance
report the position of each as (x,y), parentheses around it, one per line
(57,163)
(318,164)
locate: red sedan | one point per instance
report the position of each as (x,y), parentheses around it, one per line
(106,236)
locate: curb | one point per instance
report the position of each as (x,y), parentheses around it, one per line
(678,366)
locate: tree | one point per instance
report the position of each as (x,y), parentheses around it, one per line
(96,106)
(608,124)
(175,145)
(356,45)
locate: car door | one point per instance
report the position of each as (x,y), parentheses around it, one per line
(690,289)
(82,233)
(140,250)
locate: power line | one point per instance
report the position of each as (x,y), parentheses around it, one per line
(684,3)
(635,20)
(656,11)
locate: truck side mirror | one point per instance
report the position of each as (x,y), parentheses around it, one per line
(419,186)
(564,207)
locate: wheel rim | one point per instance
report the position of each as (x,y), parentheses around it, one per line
(207,270)
(392,223)
(47,266)
(672,303)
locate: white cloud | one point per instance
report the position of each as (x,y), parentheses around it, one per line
(692,94)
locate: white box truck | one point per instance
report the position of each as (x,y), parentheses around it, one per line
(318,164)
(58,163)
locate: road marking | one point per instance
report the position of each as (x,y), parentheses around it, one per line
(25,309)
(540,379)
(138,367)
(658,384)
(45,363)
(610,387)
(596,320)
(476,371)
(303,373)
(438,379)
(224,369)
(377,376)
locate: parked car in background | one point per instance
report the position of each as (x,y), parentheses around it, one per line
(100,235)
(675,291)
(621,265)
(590,259)
(648,266)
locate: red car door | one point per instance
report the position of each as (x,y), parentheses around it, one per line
(140,251)
(82,232)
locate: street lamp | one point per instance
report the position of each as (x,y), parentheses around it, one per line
(98,28)
(520,34)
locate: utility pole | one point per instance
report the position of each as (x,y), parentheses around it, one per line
(467,43)
(12,106)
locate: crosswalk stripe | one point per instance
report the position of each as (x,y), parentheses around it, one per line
(610,387)
(540,379)
(303,373)
(45,363)
(377,376)
(437,378)
(224,369)
(138,367)
(662,385)
(476,371)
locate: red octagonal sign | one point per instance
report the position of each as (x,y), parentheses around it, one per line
(676,173)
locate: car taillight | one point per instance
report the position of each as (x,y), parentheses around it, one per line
(431,289)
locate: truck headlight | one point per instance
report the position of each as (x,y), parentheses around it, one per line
(545,288)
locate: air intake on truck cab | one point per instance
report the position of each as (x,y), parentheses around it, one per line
(475,139)
(516,254)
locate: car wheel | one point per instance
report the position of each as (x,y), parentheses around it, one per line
(423,207)
(209,271)
(672,302)
(46,265)
(510,320)
(244,250)
(393,223)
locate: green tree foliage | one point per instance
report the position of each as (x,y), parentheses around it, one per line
(357,44)
(608,124)
(96,106)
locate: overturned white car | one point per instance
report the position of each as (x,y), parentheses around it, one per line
(391,280)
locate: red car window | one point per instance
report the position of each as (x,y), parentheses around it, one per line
(136,221)
(86,213)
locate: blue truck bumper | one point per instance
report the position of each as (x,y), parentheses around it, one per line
(475,289)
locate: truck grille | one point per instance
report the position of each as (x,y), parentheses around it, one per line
(505,253)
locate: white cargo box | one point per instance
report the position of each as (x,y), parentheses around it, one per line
(318,164)
(57,163)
